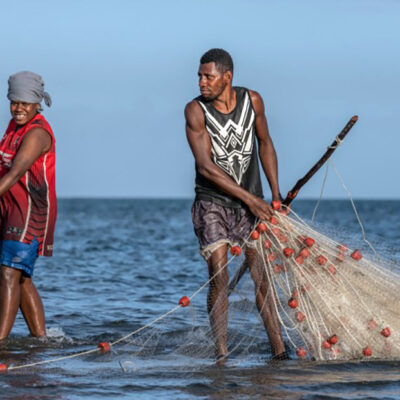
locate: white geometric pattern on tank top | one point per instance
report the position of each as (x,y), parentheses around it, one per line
(232,144)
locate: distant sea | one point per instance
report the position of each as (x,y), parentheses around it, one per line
(118,264)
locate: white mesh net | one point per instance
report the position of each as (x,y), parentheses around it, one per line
(331,302)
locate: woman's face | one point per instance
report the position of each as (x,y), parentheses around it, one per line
(23,112)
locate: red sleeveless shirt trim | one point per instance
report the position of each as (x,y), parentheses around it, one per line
(29,209)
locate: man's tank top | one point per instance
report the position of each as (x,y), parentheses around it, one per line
(233,149)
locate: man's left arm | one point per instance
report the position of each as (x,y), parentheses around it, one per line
(266,150)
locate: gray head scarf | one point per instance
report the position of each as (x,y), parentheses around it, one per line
(27,87)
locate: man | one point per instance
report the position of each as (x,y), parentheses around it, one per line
(222,127)
(28,205)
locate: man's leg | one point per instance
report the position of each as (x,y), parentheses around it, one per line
(9,299)
(32,308)
(217,299)
(265,300)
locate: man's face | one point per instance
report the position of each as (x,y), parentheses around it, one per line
(23,112)
(212,81)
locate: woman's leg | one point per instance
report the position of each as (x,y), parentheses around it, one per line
(9,299)
(32,308)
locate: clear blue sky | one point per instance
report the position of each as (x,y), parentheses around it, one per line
(121,72)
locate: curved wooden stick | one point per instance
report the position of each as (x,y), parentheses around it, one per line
(295,190)
(301,182)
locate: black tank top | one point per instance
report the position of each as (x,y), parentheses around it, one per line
(233,149)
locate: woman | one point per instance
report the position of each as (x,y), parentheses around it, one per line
(28,205)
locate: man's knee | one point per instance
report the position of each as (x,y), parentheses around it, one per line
(220,281)
(217,268)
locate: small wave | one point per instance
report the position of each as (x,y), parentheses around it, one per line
(56,334)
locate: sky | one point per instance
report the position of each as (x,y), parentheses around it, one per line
(120,73)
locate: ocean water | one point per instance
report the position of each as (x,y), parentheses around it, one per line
(119,264)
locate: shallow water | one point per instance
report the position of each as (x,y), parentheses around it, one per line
(119,264)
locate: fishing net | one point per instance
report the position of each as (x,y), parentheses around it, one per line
(331,302)
(313,297)
(296,292)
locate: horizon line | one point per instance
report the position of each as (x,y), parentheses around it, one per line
(192,198)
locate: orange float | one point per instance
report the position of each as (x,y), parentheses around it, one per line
(300,352)
(261,227)
(356,255)
(104,347)
(287,251)
(367,351)
(309,241)
(184,301)
(236,250)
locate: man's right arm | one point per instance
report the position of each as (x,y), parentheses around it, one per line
(200,144)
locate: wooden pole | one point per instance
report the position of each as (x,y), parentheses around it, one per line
(295,190)
(301,182)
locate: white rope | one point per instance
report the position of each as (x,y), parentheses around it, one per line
(321,192)
(338,142)
(356,213)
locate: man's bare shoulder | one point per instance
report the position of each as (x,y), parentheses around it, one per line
(193,112)
(192,107)
(255,96)
(257,100)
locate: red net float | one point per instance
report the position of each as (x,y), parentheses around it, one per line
(104,347)
(309,241)
(321,260)
(305,253)
(299,260)
(3,368)
(333,339)
(326,344)
(367,351)
(356,255)
(300,317)
(255,235)
(301,353)
(261,227)
(184,301)
(267,244)
(236,250)
(287,251)
(332,269)
(277,268)
(271,257)
(385,332)
(293,303)
(273,221)
(276,205)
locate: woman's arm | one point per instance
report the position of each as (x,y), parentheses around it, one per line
(35,143)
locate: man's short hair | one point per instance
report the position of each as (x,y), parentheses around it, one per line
(221,58)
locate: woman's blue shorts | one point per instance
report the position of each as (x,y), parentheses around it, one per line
(19,255)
